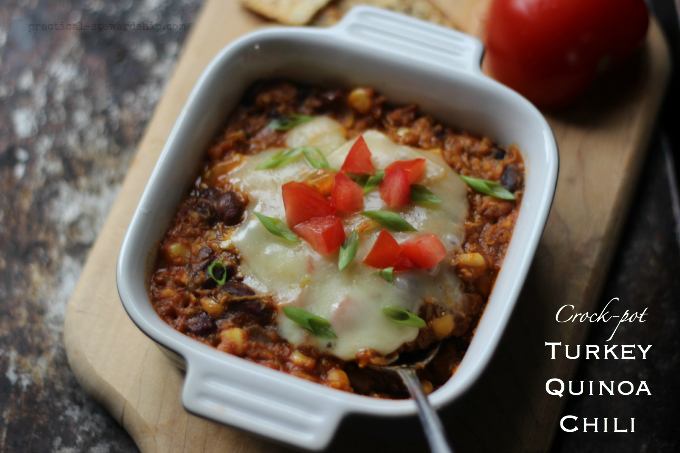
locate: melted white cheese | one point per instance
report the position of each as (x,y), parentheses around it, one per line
(322,133)
(352,299)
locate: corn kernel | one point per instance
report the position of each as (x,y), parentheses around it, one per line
(471,260)
(427,387)
(443,326)
(233,340)
(300,360)
(361,99)
(337,379)
(178,253)
(211,306)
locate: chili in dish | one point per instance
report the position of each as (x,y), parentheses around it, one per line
(347,210)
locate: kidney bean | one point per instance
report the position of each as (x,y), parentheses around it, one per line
(202,259)
(229,208)
(201,324)
(238,289)
(253,306)
(511,178)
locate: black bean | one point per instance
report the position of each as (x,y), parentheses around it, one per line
(498,153)
(440,133)
(229,208)
(206,203)
(273,113)
(205,281)
(303,92)
(511,178)
(205,208)
(211,193)
(201,324)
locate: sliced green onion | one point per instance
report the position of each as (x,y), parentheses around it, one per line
(286,156)
(348,250)
(218,272)
(277,228)
(359,179)
(387,274)
(289,122)
(374,181)
(316,324)
(368,181)
(422,194)
(402,316)
(389,220)
(281,158)
(488,187)
(311,155)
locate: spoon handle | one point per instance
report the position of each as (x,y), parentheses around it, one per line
(434,431)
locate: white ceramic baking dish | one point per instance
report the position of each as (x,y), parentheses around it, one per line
(408,61)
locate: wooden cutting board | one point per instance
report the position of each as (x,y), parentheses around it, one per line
(602,143)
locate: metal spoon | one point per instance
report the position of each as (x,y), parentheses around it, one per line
(432,425)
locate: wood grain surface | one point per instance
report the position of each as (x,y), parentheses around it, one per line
(602,143)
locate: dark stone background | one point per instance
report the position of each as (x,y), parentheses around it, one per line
(73,106)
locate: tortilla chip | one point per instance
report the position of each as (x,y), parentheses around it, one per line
(422,9)
(291,12)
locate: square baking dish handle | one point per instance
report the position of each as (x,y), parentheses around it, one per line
(270,403)
(412,38)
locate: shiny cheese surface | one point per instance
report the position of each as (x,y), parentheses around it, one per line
(351,299)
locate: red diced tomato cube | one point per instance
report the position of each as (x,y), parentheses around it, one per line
(302,203)
(395,189)
(386,252)
(347,196)
(324,234)
(358,159)
(414,168)
(425,250)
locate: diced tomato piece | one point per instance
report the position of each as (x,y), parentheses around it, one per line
(425,250)
(347,196)
(386,252)
(302,203)
(358,159)
(404,263)
(414,168)
(324,234)
(395,189)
